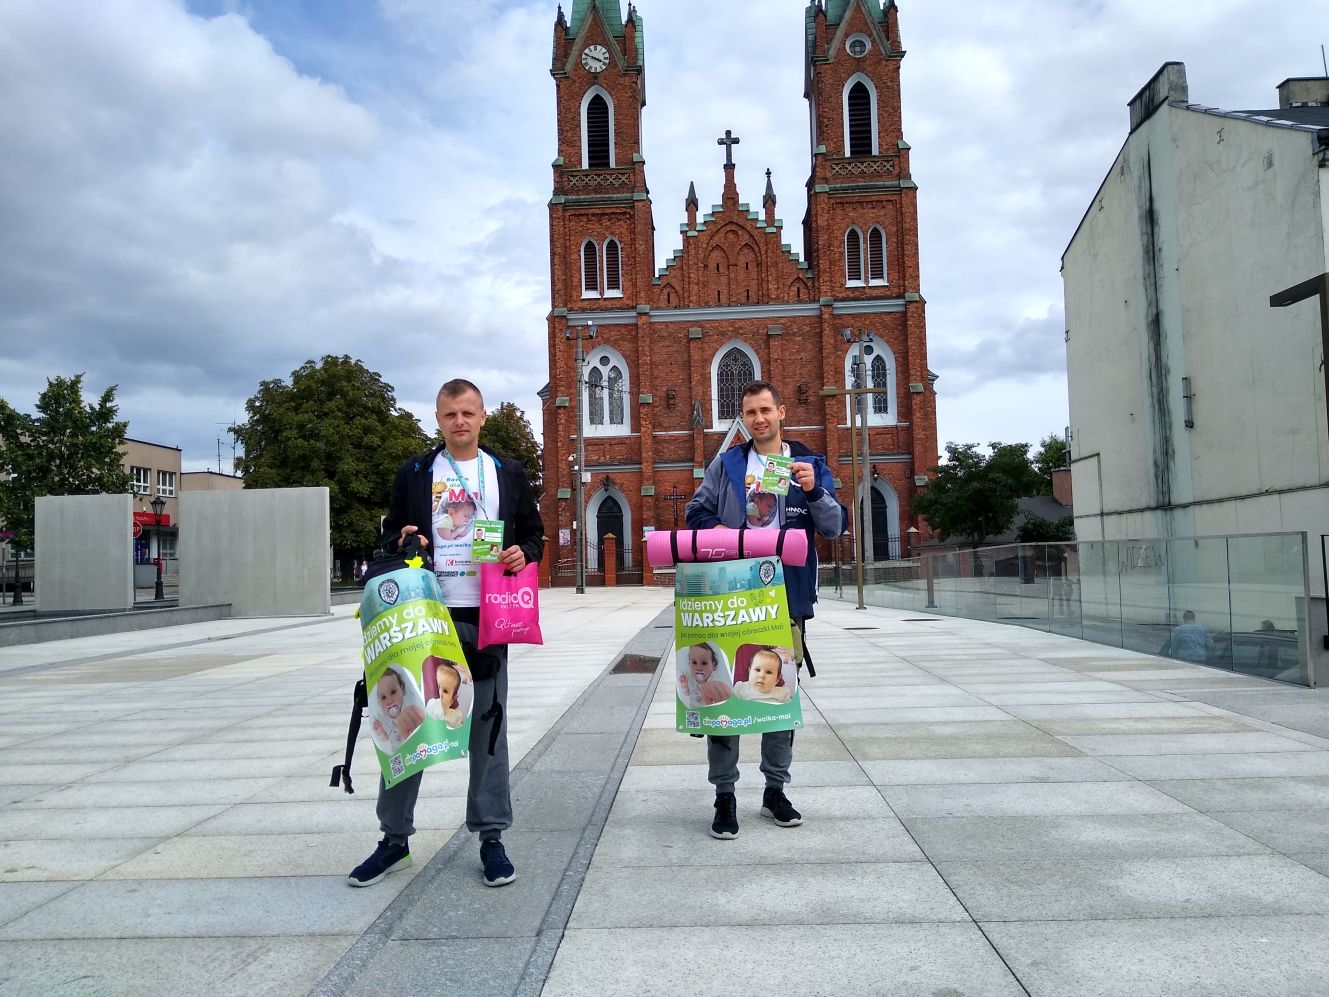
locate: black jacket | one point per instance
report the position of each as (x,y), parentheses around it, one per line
(411,504)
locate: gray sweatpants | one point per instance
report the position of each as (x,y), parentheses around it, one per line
(488,799)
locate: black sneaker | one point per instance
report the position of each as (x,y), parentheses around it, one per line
(386,858)
(725,824)
(498,870)
(775,805)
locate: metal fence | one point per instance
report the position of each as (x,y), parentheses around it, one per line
(1236,602)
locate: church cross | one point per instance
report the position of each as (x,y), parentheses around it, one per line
(729,141)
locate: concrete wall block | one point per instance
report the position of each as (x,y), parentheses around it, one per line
(85,552)
(264,551)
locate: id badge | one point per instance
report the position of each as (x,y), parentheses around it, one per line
(486,540)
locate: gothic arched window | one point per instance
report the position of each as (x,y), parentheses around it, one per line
(590,269)
(879,362)
(853,257)
(607,393)
(613,268)
(876,255)
(860,116)
(735,369)
(881,373)
(597,129)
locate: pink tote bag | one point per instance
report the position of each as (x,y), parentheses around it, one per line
(509,605)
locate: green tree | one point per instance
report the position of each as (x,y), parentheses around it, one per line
(67,448)
(973,495)
(1036,529)
(1050,455)
(507,432)
(337,424)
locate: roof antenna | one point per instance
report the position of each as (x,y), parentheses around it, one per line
(1322,62)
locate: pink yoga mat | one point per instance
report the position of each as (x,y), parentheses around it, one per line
(722,545)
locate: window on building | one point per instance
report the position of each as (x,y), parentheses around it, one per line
(876,255)
(881,374)
(853,257)
(860,120)
(142,478)
(595,396)
(590,270)
(166,547)
(613,268)
(733,373)
(166,483)
(607,393)
(597,133)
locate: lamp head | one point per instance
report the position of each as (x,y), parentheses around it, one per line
(591,330)
(847,335)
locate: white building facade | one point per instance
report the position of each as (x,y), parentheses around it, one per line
(1196,408)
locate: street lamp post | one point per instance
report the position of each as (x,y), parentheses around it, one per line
(863,402)
(578,524)
(158,504)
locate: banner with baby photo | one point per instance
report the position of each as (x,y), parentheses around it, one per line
(735,666)
(419,687)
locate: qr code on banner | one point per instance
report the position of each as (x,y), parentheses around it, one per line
(692,720)
(397,765)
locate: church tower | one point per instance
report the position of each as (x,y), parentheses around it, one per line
(673,347)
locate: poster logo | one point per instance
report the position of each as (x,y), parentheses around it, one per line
(389,592)
(766,572)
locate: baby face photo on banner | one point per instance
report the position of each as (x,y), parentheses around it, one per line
(420,688)
(734,663)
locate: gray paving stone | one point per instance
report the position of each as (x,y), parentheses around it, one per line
(1282,830)
(1212,956)
(581,753)
(477,967)
(1099,711)
(1319,861)
(459,905)
(1227,766)
(913,714)
(154,967)
(548,801)
(51,774)
(1009,698)
(197,792)
(1090,836)
(1210,795)
(694,806)
(1032,745)
(1029,799)
(933,771)
(217,908)
(1083,889)
(688,843)
(67,858)
(918,960)
(1143,725)
(101,822)
(16,899)
(1182,744)
(744,894)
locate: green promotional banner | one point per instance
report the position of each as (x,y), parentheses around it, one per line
(735,661)
(419,686)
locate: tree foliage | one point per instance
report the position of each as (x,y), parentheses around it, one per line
(67,448)
(337,424)
(973,495)
(1050,455)
(507,432)
(1036,529)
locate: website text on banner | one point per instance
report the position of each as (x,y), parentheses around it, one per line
(419,686)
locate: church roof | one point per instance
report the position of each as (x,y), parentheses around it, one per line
(835,12)
(613,15)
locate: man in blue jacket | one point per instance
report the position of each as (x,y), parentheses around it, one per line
(730,496)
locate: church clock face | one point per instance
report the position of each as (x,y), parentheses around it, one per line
(595,58)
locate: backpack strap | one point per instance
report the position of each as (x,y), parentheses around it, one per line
(742,530)
(495,713)
(802,625)
(695,556)
(341,774)
(779,541)
(673,544)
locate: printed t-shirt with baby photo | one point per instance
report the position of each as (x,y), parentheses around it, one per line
(763,507)
(460,497)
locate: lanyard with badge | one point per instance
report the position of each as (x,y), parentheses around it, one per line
(486,534)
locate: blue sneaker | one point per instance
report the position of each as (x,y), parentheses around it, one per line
(386,858)
(498,870)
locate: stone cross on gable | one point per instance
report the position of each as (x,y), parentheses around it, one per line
(729,141)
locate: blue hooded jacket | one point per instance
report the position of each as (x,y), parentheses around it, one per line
(722,501)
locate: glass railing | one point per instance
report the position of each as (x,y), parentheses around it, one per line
(1236,603)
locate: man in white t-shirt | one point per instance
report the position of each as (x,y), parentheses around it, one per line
(440,495)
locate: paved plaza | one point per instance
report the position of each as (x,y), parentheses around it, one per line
(988,810)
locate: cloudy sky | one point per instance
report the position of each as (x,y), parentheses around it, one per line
(196,195)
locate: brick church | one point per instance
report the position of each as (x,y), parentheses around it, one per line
(674,344)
